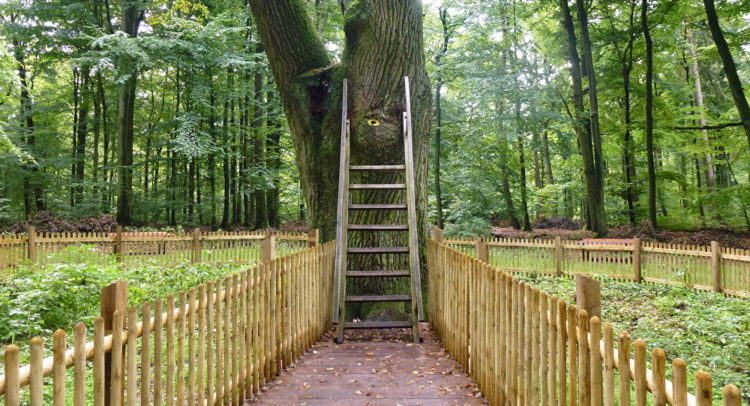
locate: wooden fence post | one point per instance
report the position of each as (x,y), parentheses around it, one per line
(437,234)
(483,253)
(113,297)
(637,259)
(196,245)
(716,266)
(558,256)
(313,237)
(268,249)
(118,243)
(31,243)
(589,295)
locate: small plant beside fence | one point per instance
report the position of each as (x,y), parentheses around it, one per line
(523,347)
(217,343)
(712,267)
(158,247)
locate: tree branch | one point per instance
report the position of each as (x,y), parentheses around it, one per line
(708,127)
(289,39)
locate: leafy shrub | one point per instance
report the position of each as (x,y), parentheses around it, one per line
(103,223)
(39,299)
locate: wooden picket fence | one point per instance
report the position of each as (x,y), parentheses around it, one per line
(523,347)
(155,247)
(714,267)
(215,344)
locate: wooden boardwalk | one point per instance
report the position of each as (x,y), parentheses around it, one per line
(373,368)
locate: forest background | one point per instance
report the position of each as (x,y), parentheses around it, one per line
(519,138)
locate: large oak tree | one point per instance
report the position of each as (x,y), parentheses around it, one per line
(383,44)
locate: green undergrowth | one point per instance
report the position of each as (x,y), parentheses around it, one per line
(36,300)
(710,331)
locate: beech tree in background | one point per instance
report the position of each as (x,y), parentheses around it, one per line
(132,15)
(730,68)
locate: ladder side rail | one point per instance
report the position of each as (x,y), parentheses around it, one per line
(341,214)
(412,212)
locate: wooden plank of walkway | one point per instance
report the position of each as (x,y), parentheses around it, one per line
(373,368)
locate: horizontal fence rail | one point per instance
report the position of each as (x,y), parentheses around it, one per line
(154,247)
(214,344)
(712,267)
(523,347)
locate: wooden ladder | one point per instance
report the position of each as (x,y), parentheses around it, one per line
(342,245)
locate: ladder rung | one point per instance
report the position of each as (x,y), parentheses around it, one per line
(376,186)
(379,324)
(379,250)
(379,298)
(377,167)
(377,274)
(378,227)
(377,207)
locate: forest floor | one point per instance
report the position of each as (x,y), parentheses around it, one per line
(726,237)
(708,330)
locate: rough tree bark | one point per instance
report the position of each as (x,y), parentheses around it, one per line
(595,216)
(596,201)
(132,15)
(259,152)
(649,115)
(735,85)
(273,158)
(696,72)
(625,57)
(526,226)
(383,44)
(33,194)
(439,80)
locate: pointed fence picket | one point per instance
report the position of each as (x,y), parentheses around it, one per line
(712,267)
(214,344)
(524,347)
(159,248)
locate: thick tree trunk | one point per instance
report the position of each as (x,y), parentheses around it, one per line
(234,139)
(649,115)
(273,157)
(735,85)
(104,122)
(696,72)
(546,159)
(383,44)
(212,156)
(628,161)
(226,211)
(33,194)
(259,154)
(522,171)
(132,14)
(598,213)
(594,213)
(82,132)
(437,152)
(439,115)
